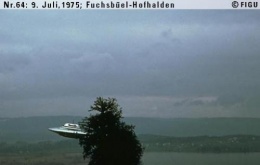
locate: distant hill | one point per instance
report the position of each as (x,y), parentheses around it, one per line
(205,144)
(151,143)
(186,127)
(33,128)
(36,128)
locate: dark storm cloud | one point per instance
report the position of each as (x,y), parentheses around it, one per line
(174,61)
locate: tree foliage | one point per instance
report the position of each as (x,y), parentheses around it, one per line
(109,141)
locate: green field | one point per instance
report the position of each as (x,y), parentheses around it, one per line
(149,158)
(45,159)
(171,158)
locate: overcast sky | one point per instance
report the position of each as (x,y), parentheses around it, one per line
(186,63)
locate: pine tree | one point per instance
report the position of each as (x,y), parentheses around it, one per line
(109,141)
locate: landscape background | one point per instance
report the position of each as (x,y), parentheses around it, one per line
(34,129)
(28,141)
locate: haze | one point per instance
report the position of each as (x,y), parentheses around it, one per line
(200,63)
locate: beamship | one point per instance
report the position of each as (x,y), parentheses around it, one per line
(155,5)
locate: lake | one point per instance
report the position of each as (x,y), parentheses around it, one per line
(171,158)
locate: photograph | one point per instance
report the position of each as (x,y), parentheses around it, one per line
(105,86)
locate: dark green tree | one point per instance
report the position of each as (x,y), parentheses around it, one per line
(109,141)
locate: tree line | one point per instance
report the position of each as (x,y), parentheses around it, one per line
(151,143)
(203,144)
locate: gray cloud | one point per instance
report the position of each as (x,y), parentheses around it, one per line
(12,62)
(51,63)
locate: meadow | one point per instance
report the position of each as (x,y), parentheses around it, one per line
(172,158)
(149,158)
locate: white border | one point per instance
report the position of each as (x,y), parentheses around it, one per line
(128,4)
